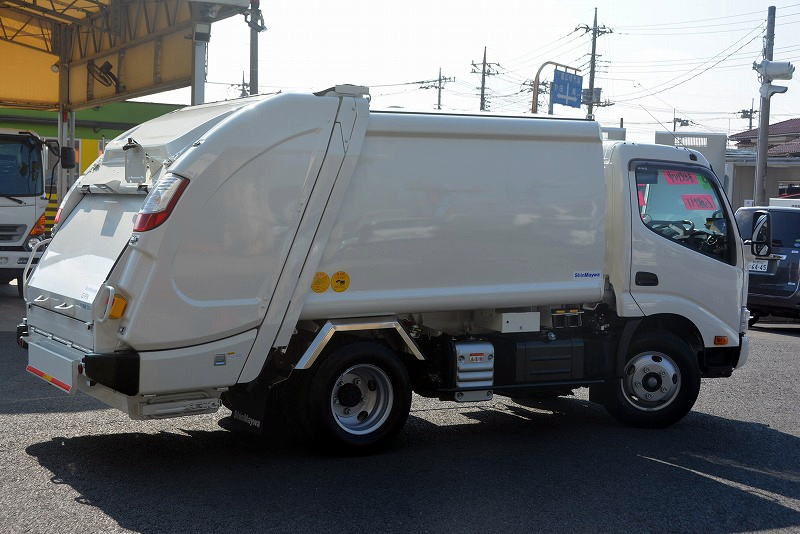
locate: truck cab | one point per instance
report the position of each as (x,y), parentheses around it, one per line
(22,201)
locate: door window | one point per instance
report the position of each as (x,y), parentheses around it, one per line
(682,204)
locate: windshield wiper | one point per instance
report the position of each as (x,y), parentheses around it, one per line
(18,201)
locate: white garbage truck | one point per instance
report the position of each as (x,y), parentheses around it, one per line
(23,200)
(309,263)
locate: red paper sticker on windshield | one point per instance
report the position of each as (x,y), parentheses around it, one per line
(680,177)
(699,202)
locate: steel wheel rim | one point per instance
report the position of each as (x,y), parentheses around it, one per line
(361,399)
(652,381)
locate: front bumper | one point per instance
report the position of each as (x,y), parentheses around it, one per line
(744,351)
(16,259)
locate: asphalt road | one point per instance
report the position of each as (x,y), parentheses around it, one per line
(67,464)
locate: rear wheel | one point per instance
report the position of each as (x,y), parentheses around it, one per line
(660,383)
(358,398)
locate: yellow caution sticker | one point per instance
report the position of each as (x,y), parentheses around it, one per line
(321,283)
(340,281)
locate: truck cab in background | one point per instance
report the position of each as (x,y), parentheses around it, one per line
(23,201)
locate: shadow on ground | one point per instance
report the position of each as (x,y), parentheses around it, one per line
(561,465)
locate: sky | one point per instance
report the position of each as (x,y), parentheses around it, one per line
(686,59)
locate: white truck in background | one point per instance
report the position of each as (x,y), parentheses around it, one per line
(306,261)
(23,200)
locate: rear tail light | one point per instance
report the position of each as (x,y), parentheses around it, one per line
(160,202)
(40,227)
(58,216)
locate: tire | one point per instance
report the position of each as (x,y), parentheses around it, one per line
(754,318)
(357,399)
(663,367)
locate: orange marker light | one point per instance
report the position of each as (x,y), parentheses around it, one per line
(720,340)
(117,308)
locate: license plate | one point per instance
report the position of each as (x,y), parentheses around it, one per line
(759,266)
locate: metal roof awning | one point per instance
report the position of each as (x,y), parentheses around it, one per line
(72,54)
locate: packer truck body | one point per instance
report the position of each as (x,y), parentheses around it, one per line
(306,261)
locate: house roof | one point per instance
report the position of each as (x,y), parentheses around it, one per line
(787,127)
(786,149)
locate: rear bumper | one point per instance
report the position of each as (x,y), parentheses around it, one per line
(147,385)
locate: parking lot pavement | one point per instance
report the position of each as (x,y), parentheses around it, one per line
(68,464)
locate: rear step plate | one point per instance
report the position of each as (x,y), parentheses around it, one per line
(53,362)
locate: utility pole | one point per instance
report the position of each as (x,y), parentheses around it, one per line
(677,121)
(748,114)
(439,87)
(438,84)
(487,69)
(768,71)
(596,32)
(242,88)
(255,19)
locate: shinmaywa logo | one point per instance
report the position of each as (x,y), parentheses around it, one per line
(244,418)
(586,274)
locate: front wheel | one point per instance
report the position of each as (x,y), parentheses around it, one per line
(660,383)
(358,398)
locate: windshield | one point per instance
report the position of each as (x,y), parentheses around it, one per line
(683,205)
(20,166)
(785,227)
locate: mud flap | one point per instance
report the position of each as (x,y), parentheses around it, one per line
(248,406)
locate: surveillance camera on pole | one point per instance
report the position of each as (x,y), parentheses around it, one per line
(768,71)
(774,70)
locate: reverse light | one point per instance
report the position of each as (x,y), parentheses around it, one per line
(160,202)
(40,227)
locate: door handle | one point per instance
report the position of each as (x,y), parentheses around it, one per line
(646,279)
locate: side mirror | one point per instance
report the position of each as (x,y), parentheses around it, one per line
(761,244)
(67,157)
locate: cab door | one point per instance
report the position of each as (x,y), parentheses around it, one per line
(686,253)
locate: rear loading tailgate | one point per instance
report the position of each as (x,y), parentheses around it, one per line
(63,289)
(80,257)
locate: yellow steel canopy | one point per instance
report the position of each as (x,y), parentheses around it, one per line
(80,53)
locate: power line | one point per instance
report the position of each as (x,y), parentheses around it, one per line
(661,24)
(690,71)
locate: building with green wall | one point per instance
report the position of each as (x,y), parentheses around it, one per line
(92,126)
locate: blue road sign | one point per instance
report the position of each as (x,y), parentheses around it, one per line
(567,89)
